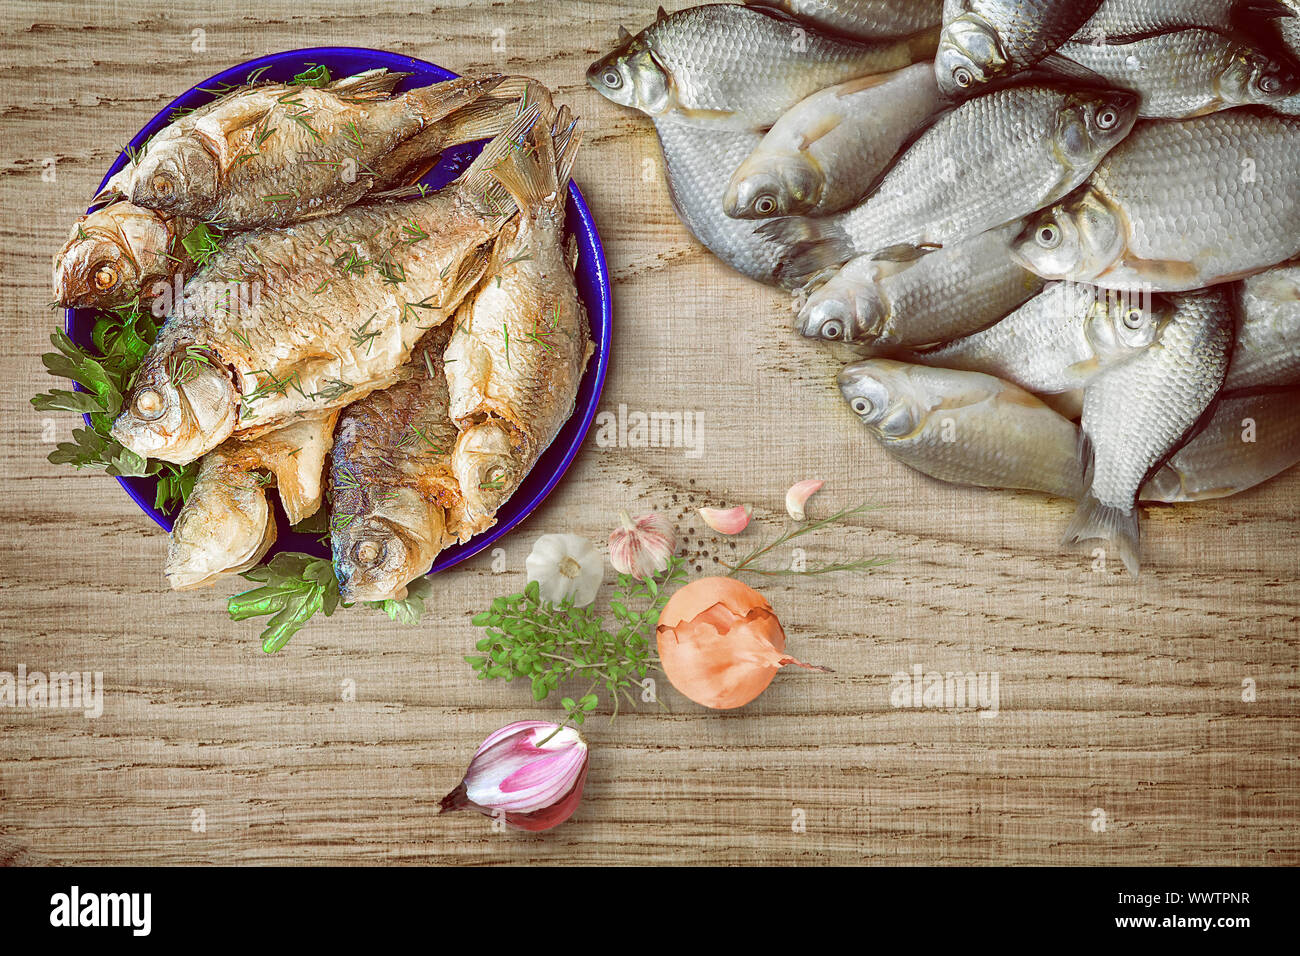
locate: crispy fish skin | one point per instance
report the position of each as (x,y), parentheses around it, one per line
(1137,414)
(396,503)
(1130,18)
(1187,73)
(864,19)
(698,162)
(1249,439)
(1267,352)
(964,427)
(521,341)
(990,161)
(227,524)
(942,296)
(1178,207)
(1060,340)
(274,154)
(341,302)
(821,155)
(738,67)
(116,254)
(986,40)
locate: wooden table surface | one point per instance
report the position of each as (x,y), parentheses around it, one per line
(1122,734)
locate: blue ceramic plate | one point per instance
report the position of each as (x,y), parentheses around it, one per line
(593,287)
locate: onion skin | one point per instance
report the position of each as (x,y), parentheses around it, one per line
(720,643)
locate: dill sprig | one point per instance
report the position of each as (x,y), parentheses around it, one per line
(746,565)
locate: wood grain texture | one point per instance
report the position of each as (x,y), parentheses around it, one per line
(1115,696)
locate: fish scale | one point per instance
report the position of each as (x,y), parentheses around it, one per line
(1124,18)
(865,19)
(1267,352)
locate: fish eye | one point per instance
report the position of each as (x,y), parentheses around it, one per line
(963,77)
(149,404)
(861,406)
(1270,84)
(1049,236)
(105,277)
(612,78)
(161,183)
(832,329)
(1107,118)
(1134,318)
(765,205)
(367,551)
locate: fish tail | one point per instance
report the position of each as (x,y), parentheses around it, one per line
(810,246)
(566,135)
(532,175)
(433,103)
(1112,524)
(479,183)
(370,85)
(481,120)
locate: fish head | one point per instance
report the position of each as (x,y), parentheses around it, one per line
(176,171)
(179,408)
(100,264)
(1119,324)
(1080,238)
(226,526)
(850,308)
(970,55)
(1255,78)
(376,555)
(1089,125)
(488,465)
(880,393)
(633,76)
(773,184)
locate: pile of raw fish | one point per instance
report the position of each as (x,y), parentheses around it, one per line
(414,351)
(1024,213)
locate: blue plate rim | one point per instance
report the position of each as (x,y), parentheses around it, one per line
(457,553)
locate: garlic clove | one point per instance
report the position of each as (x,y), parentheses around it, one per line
(529,772)
(798,496)
(642,547)
(728,520)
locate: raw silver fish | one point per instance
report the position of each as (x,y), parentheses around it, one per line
(1187,73)
(396,503)
(987,40)
(964,427)
(698,162)
(820,157)
(227,524)
(1138,414)
(990,161)
(1267,352)
(864,19)
(1178,206)
(1131,18)
(738,67)
(273,154)
(1060,340)
(314,316)
(521,341)
(949,293)
(1248,440)
(115,254)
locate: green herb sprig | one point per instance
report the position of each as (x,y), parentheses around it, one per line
(295,587)
(747,564)
(549,645)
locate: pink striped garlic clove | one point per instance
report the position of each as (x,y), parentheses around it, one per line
(642,547)
(798,496)
(528,771)
(728,520)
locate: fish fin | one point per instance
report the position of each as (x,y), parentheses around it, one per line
(1117,527)
(567,135)
(1261,10)
(531,174)
(480,183)
(1056,66)
(436,102)
(298,464)
(372,84)
(813,245)
(469,273)
(906,251)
